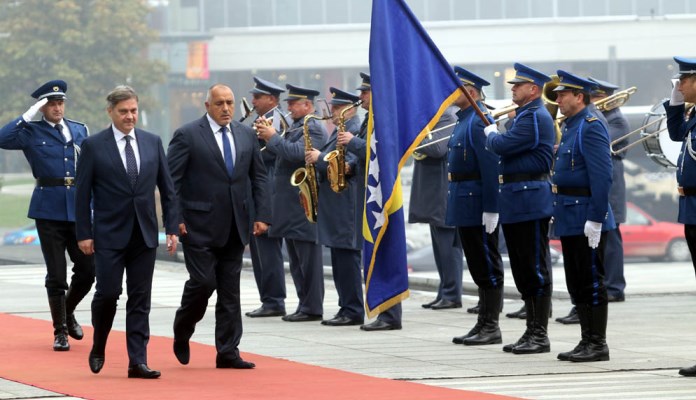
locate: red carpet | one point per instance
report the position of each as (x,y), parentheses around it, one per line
(28,358)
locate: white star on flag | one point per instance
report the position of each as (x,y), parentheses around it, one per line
(375,194)
(379,219)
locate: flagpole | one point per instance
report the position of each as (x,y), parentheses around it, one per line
(486,122)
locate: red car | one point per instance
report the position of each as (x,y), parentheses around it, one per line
(644,236)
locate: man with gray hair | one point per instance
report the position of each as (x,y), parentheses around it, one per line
(117,174)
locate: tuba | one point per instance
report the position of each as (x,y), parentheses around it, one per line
(548,96)
(336,171)
(305,178)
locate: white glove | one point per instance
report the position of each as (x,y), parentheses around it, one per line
(490,220)
(31,112)
(490,129)
(677,98)
(593,231)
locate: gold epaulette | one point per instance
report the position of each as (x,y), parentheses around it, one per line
(591,118)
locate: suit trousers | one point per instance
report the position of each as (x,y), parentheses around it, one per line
(392,315)
(449,262)
(269,270)
(56,238)
(530,258)
(210,269)
(614,263)
(307,272)
(347,275)
(584,270)
(138,262)
(482,256)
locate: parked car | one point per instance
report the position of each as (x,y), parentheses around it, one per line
(23,236)
(644,236)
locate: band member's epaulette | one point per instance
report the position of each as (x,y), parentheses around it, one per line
(590,119)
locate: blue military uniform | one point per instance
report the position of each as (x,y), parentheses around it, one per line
(618,127)
(336,223)
(473,190)
(52,150)
(289,220)
(266,251)
(582,179)
(525,204)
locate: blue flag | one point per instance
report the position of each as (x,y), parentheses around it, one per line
(412,85)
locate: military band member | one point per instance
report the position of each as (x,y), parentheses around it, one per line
(289,220)
(681,129)
(525,202)
(582,215)
(51,147)
(472,206)
(336,217)
(266,251)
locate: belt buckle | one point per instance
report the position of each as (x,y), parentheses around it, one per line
(554,189)
(449,177)
(680,189)
(69,181)
(500,179)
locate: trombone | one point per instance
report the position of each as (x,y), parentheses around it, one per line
(645,136)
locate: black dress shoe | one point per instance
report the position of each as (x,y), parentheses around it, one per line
(74,329)
(445,304)
(341,320)
(380,326)
(60,342)
(688,371)
(143,372)
(182,351)
(96,362)
(302,317)
(615,299)
(474,310)
(265,312)
(521,313)
(236,363)
(571,318)
(430,304)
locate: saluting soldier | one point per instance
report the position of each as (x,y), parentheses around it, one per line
(472,206)
(52,146)
(682,129)
(289,220)
(266,251)
(337,214)
(582,215)
(525,202)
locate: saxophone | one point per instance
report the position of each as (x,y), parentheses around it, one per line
(305,178)
(336,171)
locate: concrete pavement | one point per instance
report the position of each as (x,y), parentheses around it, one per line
(650,336)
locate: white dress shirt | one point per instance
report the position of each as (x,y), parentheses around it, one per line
(66,131)
(218,138)
(121,144)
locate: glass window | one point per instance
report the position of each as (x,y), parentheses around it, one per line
(568,9)
(237,14)
(516,8)
(691,6)
(360,11)
(439,10)
(286,12)
(465,9)
(591,8)
(491,9)
(621,7)
(337,12)
(673,7)
(311,12)
(261,13)
(418,8)
(648,7)
(213,15)
(542,8)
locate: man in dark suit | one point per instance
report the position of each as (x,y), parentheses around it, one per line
(212,161)
(117,174)
(51,147)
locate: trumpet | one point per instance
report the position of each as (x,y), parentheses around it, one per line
(336,171)
(269,122)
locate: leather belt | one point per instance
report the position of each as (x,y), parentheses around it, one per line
(687,191)
(474,176)
(571,191)
(66,181)
(511,178)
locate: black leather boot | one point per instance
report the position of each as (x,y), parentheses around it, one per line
(479,322)
(583,316)
(537,323)
(60,328)
(571,318)
(520,314)
(490,310)
(596,349)
(72,299)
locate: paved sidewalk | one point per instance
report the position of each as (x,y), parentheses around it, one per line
(650,337)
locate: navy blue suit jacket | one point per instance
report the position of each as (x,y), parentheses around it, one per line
(102,181)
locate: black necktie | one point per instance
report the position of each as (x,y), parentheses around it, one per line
(131,164)
(60,130)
